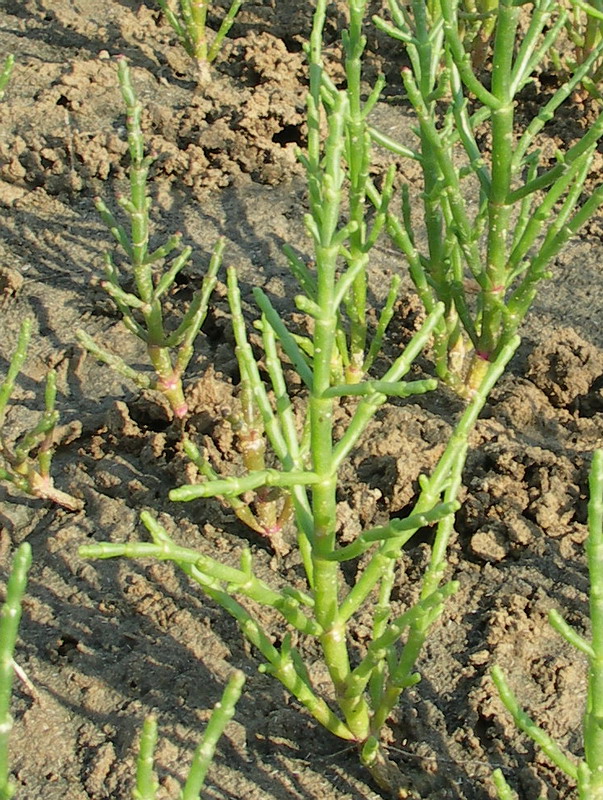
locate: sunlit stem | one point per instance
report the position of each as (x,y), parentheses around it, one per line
(169,351)
(10,616)
(358,155)
(593,720)
(146,782)
(525,723)
(499,209)
(588,773)
(204,752)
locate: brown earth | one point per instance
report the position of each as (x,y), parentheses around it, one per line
(106,642)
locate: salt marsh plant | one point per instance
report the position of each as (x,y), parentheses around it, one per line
(269,510)
(152,273)
(356,345)
(364,690)
(10,617)
(309,454)
(495,214)
(587,772)
(26,462)
(146,783)
(353,356)
(584,28)
(188,19)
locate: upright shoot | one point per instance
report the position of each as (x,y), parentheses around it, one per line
(357,346)
(26,462)
(490,240)
(146,782)
(153,275)
(188,19)
(10,616)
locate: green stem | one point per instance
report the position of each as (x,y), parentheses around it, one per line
(223,30)
(15,367)
(5,74)
(358,158)
(499,209)
(525,723)
(503,790)
(146,783)
(431,489)
(10,617)
(593,720)
(205,750)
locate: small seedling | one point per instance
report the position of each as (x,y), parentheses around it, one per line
(143,312)
(270,509)
(189,21)
(26,462)
(30,474)
(146,783)
(587,772)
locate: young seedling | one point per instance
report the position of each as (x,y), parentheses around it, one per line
(5,74)
(10,617)
(491,240)
(26,462)
(146,783)
(270,509)
(587,772)
(189,21)
(153,276)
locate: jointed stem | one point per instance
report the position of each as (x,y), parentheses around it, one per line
(143,311)
(499,209)
(466,246)
(5,73)
(31,474)
(9,628)
(204,752)
(190,25)
(593,720)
